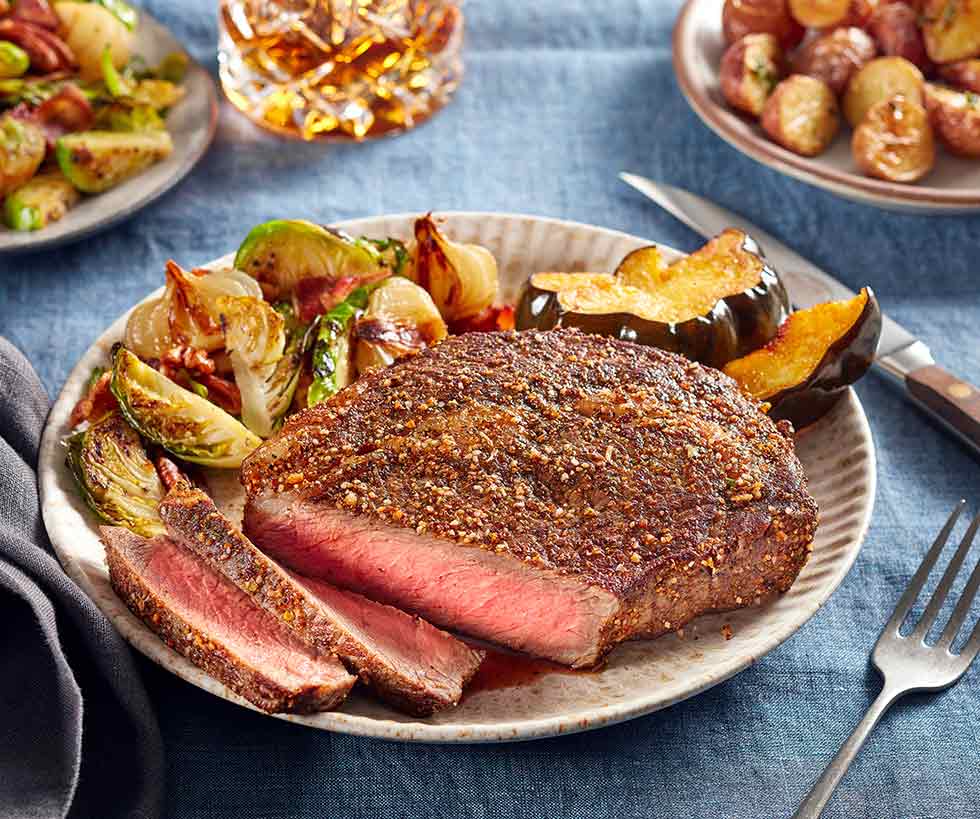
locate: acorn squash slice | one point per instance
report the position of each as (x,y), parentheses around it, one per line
(816,355)
(712,306)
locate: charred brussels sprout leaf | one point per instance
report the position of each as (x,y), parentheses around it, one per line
(394,254)
(331,350)
(266,346)
(282,252)
(114,475)
(181,422)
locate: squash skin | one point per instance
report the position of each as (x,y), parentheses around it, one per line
(710,339)
(844,362)
(735,325)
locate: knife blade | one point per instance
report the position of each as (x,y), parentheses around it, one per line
(905,359)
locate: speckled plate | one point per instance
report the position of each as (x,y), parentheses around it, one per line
(191,124)
(952,186)
(641,677)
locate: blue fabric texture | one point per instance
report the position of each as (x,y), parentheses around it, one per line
(559,96)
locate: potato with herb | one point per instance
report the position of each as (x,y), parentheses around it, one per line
(801,115)
(895,142)
(835,57)
(741,17)
(880,80)
(951,29)
(955,117)
(89,29)
(750,70)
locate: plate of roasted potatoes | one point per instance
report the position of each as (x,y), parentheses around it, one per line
(875,100)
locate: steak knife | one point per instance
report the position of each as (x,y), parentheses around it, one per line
(903,358)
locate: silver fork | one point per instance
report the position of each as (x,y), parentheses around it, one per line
(908,663)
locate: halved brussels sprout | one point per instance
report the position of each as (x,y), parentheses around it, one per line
(187,312)
(114,475)
(282,252)
(181,422)
(331,351)
(462,279)
(266,349)
(122,85)
(401,319)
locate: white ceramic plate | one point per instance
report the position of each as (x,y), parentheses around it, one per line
(191,124)
(641,677)
(953,185)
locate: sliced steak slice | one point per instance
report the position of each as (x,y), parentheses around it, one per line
(552,491)
(487,595)
(203,616)
(407,661)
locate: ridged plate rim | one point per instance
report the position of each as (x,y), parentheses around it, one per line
(72,530)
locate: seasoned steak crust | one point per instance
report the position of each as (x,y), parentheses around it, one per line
(634,469)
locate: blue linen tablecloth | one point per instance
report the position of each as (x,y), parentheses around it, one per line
(559,96)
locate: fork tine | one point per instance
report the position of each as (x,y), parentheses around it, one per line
(962,609)
(949,576)
(919,578)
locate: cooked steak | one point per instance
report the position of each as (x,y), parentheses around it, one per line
(201,615)
(551,491)
(409,662)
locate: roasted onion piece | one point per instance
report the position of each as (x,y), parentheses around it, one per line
(461,278)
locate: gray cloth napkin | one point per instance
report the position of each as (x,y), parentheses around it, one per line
(78,737)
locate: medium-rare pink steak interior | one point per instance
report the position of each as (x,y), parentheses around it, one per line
(200,614)
(553,492)
(407,661)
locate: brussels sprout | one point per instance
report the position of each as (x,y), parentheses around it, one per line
(22,147)
(282,252)
(331,351)
(173,67)
(95,161)
(187,312)
(13,60)
(266,347)
(401,319)
(462,279)
(124,118)
(123,86)
(39,202)
(181,422)
(114,475)
(394,255)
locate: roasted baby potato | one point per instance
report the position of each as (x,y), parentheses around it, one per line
(964,74)
(801,115)
(894,142)
(955,117)
(819,13)
(22,147)
(880,80)
(750,70)
(835,57)
(896,28)
(741,17)
(951,29)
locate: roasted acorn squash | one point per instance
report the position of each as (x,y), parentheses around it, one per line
(714,305)
(815,356)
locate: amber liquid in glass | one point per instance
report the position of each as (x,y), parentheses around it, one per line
(339,69)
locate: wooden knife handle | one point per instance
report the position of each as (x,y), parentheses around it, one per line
(954,401)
